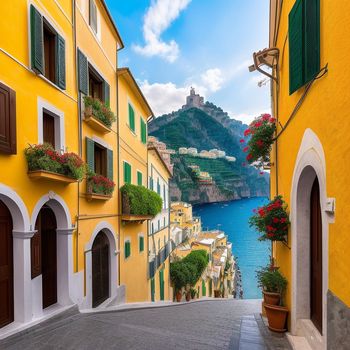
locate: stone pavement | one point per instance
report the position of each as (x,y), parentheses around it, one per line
(207,325)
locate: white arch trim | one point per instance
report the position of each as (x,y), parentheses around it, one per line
(310,163)
(60,208)
(109,231)
(18,210)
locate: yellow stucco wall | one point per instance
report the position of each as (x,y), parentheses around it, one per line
(325,112)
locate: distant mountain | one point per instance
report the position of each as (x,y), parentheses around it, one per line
(205,126)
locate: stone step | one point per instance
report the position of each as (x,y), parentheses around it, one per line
(250,335)
(44,327)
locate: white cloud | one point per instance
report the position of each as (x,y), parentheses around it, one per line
(157,19)
(213,79)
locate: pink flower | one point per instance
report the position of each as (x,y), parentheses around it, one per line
(261,173)
(249,156)
(266,117)
(247,132)
(245,149)
(241,141)
(272,120)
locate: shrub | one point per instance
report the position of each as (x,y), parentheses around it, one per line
(179,275)
(99,110)
(138,200)
(271,220)
(261,132)
(198,258)
(100,185)
(45,157)
(271,280)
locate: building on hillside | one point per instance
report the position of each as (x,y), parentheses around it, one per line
(218,153)
(181,215)
(163,151)
(193,100)
(309,163)
(230,159)
(159,243)
(134,112)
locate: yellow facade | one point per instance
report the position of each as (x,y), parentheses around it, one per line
(181,215)
(314,144)
(132,151)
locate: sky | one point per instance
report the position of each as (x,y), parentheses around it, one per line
(171,45)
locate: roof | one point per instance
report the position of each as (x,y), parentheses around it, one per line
(221,235)
(207,241)
(153,148)
(127,75)
(113,23)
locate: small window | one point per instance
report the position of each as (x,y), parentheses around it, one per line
(7,120)
(141,244)
(127,249)
(100,158)
(49,129)
(127,173)
(93,16)
(164,221)
(95,84)
(131,118)
(49,52)
(158,187)
(139,178)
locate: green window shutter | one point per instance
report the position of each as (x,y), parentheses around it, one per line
(312,38)
(106,93)
(139,178)
(36,40)
(110,164)
(131,118)
(161,284)
(127,249)
(143,131)
(141,244)
(83,73)
(61,62)
(152,289)
(127,173)
(204,292)
(90,154)
(295,33)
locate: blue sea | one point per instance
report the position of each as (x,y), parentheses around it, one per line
(232,218)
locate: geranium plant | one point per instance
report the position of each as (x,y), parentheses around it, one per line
(45,157)
(100,185)
(99,110)
(271,220)
(261,132)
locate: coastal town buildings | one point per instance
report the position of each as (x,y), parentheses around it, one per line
(309,163)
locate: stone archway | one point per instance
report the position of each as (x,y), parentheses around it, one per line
(310,165)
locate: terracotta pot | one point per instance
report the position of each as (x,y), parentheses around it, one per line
(277,316)
(188,296)
(271,298)
(178,296)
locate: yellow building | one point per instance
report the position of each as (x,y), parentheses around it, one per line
(159,245)
(134,112)
(310,163)
(181,215)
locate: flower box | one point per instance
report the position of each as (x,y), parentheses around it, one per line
(94,123)
(136,218)
(46,175)
(99,187)
(97,196)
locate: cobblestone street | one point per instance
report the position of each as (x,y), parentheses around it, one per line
(201,325)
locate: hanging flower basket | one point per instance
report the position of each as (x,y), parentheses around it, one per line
(261,132)
(271,220)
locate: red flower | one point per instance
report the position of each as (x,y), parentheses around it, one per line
(241,141)
(261,212)
(260,143)
(283,220)
(276,220)
(249,156)
(247,132)
(272,120)
(270,234)
(258,124)
(266,117)
(261,173)
(245,149)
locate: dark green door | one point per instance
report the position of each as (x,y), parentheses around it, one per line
(204,291)
(152,289)
(161,284)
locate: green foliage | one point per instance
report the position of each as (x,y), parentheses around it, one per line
(188,270)
(193,293)
(99,110)
(138,200)
(45,157)
(271,220)
(271,280)
(100,184)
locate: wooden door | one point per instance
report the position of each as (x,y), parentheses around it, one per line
(100,269)
(6,266)
(49,129)
(316,258)
(47,226)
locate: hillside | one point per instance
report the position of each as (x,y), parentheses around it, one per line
(205,127)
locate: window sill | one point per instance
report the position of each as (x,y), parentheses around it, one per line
(42,174)
(97,196)
(95,124)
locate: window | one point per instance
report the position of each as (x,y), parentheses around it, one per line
(49,129)
(8,143)
(158,187)
(152,228)
(131,118)
(141,244)
(127,249)
(47,49)
(164,197)
(151,183)
(127,173)
(93,16)
(304,43)
(95,84)
(139,178)
(99,159)
(164,221)
(143,129)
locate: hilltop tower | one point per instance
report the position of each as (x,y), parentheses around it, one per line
(193,100)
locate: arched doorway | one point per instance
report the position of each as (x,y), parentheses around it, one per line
(100,269)
(6,266)
(44,254)
(316,257)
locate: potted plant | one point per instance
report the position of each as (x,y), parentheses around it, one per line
(178,277)
(188,295)
(98,184)
(193,293)
(274,285)
(271,220)
(96,108)
(261,132)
